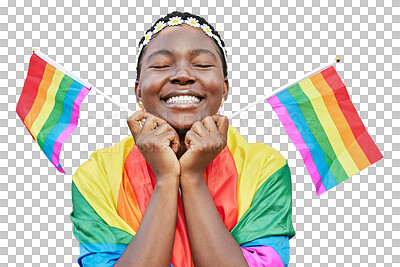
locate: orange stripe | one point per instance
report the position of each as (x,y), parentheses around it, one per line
(41,96)
(340,121)
(127,205)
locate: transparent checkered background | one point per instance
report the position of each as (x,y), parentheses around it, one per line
(269,44)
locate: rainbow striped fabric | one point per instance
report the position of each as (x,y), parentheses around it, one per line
(250,184)
(322,122)
(49,105)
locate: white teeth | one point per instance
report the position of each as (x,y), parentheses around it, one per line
(183,99)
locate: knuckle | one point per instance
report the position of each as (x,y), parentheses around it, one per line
(151,118)
(207,118)
(169,134)
(167,126)
(196,123)
(135,115)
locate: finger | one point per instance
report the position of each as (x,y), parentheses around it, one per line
(172,140)
(210,125)
(222,123)
(167,128)
(134,121)
(190,139)
(163,128)
(152,122)
(199,129)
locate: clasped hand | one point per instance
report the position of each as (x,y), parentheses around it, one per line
(159,142)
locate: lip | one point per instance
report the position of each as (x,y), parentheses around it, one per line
(183,106)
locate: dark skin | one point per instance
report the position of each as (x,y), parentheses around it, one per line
(179,141)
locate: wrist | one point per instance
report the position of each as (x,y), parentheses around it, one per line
(191,179)
(169,182)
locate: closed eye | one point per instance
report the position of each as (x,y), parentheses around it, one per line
(160,67)
(204,66)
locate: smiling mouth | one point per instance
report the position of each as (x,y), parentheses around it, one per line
(183,102)
(183,99)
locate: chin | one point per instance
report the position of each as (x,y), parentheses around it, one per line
(183,121)
(182,126)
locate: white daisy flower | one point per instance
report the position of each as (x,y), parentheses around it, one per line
(138,53)
(192,22)
(175,21)
(139,49)
(207,30)
(218,40)
(159,26)
(147,37)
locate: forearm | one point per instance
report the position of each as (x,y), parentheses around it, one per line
(153,242)
(210,241)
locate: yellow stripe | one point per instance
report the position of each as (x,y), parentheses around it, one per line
(331,131)
(101,188)
(340,121)
(255,163)
(48,105)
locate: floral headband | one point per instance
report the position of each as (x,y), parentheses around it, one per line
(175,21)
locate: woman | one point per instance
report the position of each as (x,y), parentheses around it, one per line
(187,186)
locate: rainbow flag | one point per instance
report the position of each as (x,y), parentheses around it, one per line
(49,104)
(322,122)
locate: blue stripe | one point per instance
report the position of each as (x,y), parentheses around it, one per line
(64,120)
(279,243)
(316,153)
(100,254)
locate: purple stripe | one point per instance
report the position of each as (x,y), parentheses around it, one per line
(262,256)
(55,159)
(298,141)
(60,169)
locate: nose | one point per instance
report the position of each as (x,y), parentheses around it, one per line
(182,76)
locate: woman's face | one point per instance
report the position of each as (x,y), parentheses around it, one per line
(181,78)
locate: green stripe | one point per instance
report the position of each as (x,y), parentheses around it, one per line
(55,114)
(270,212)
(318,132)
(89,227)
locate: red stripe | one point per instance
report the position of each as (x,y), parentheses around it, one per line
(353,119)
(138,174)
(222,179)
(29,92)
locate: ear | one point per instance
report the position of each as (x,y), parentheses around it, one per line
(138,91)
(226,89)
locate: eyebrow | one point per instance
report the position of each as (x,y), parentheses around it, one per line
(196,52)
(164,52)
(200,51)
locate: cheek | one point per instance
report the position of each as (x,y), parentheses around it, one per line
(214,85)
(151,85)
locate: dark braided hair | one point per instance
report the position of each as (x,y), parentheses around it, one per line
(184,16)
